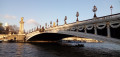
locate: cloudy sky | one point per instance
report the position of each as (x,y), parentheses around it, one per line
(39,12)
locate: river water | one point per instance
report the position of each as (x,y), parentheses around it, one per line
(58,50)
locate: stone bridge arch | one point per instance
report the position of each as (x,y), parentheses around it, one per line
(48,37)
(106,28)
(58,35)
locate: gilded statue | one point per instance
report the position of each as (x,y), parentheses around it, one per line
(22,18)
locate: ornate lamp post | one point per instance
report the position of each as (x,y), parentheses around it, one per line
(111,7)
(40,26)
(32,30)
(77,14)
(94,10)
(42,29)
(46,25)
(57,22)
(51,24)
(65,19)
(37,28)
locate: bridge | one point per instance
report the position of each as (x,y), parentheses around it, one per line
(105,28)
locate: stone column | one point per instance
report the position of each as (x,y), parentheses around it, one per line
(108,29)
(95,29)
(85,31)
(21,29)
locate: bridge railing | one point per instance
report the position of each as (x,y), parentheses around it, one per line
(29,35)
(105,21)
(99,19)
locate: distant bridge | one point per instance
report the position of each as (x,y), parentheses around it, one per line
(106,28)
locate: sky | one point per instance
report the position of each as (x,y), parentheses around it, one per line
(39,12)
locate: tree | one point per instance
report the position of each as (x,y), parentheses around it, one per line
(1,28)
(0,24)
(14,29)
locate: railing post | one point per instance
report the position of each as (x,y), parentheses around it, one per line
(77,29)
(85,31)
(95,29)
(108,29)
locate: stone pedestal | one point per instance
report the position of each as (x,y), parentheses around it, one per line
(17,37)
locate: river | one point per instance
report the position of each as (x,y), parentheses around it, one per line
(58,50)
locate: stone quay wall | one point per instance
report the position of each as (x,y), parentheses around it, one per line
(15,37)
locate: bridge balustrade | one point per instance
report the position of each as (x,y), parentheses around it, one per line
(108,26)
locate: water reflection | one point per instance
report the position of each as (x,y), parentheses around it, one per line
(19,50)
(58,50)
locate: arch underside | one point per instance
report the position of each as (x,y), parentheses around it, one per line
(48,37)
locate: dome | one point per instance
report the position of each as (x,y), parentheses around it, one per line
(6,24)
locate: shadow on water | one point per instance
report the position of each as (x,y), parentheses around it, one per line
(62,51)
(58,49)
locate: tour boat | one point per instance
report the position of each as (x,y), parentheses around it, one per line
(0,41)
(11,41)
